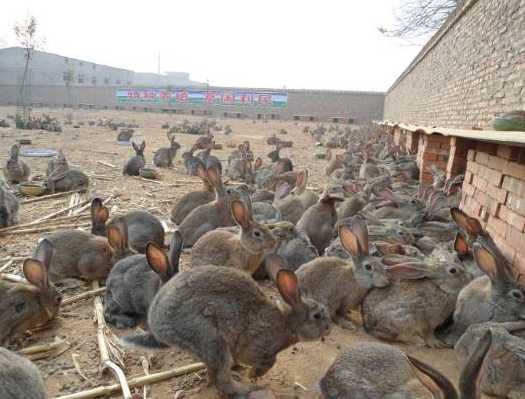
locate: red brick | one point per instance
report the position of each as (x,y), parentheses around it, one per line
(487,148)
(512,218)
(472,207)
(497,163)
(514,185)
(515,238)
(498,225)
(506,249)
(498,194)
(468,189)
(508,152)
(481,197)
(480,183)
(471,156)
(516,203)
(514,169)
(490,175)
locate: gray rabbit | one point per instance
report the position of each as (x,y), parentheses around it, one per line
(19,377)
(164,156)
(8,208)
(135,280)
(142,226)
(136,162)
(16,170)
(27,305)
(222,316)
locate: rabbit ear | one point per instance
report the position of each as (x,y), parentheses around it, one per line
(467,223)
(288,287)
(433,380)
(386,248)
(356,231)
(157,260)
(282,190)
(201,172)
(349,241)
(176,246)
(258,163)
(486,261)
(339,157)
(36,273)
(301,179)
(99,213)
(460,245)
(134,146)
(408,271)
(117,234)
(328,155)
(241,214)
(44,252)
(214,177)
(143,145)
(468,379)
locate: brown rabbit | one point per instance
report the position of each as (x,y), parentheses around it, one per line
(209,216)
(319,220)
(306,197)
(222,316)
(16,170)
(27,305)
(242,251)
(78,254)
(192,200)
(339,285)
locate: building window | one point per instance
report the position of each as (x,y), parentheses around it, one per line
(66,60)
(106,81)
(118,81)
(94,80)
(67,76)
(80,79)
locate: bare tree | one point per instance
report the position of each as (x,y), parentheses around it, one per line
(26,36)
(416,18)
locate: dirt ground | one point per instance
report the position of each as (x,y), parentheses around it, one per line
(297,370)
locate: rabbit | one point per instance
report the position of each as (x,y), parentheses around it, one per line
(210,160)
(135,280)
(503,372)
(411,309)
(319,220)
(191,162)
(375,370)
(58,164)
(306,197)
(142,227)
(222,316)
(499,296)
(209,216)
(369,169)
(136,162)
(8,208)
(193,199)
(334,163)
(20,378)
(263,212)
(339,285)
(242,251)
(292,244)
(163,157)
(281,165)
(71,179)
(125,134)
(288,205)
(16,170)
(27,305)
(78,254)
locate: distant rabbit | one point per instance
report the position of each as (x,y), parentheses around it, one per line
(410,310)
(222,316)
(242,251)
(58,164)
(125,134)
(8,208)
(263,212)
(499,296)
(136,162)
(16,170)
(20,377)
(210,160)
(209,216)
(319,220)
(339,285)
(293,205)
(281,165)
(142,227)
(375,370)
(78,254)
(369,169)
(163,157)
(191,162)
(193,199)
(293,245)
(503,371)
(68,180)
(28,305)
(334,162)
(135,280)
(306,197)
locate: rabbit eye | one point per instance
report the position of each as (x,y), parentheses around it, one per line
(317,316)
(517,295)
(257,233)
(368,267)
(19,307)
(453,270)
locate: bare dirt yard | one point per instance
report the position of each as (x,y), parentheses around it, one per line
(297,370)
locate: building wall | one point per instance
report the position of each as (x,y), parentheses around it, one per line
(472,69)
(321,105)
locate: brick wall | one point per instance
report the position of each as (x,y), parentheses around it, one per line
(494,192)
(472,69)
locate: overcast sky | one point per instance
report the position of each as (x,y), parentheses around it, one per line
(321,44)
